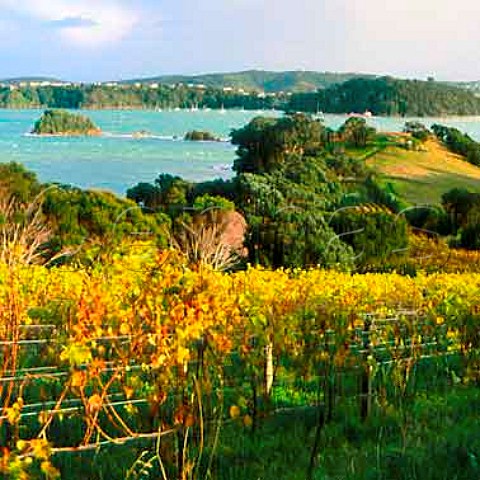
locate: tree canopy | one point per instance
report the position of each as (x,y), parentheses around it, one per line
(62,122)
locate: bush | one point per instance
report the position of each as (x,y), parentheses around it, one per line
(373,234)
(417,130)
(201,136)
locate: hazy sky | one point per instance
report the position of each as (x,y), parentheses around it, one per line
(114,39)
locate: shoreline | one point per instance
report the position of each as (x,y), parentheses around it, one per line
(240,110)
(66,134)
(130,136)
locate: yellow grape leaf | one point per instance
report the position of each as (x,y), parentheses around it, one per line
(234,411)
(124,329)
(128,392)
(131,409)
(247,421)
(12,415)
(76,354)
(22,445)
(78,378)
(41,449)
(94,403)
(49,470)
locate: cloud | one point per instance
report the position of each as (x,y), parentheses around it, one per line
(73,22)
(87,23)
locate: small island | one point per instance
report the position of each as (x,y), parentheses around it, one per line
(201,136)
(60,122)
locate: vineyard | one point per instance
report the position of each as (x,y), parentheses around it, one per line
(168,368)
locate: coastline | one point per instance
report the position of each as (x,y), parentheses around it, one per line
(133,108)
(90,133)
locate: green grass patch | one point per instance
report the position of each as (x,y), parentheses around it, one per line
(422,176)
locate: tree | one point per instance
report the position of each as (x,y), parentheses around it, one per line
(458,202)
(286,224)
(458,142)
(17,181)
(266,144)
(207,201)
(356,132)
(374,234)
(417,130)
(145,194)
(470,232)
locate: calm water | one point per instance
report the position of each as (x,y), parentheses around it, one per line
(118,161)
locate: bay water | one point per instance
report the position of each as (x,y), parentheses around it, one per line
(138,145)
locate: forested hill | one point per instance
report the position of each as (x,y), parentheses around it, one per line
(473,86)
(381,96)
(389,96)
(259,80)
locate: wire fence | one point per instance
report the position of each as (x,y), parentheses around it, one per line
(115,399)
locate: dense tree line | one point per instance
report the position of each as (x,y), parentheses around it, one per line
(389,96)
(381,96)
(130,96)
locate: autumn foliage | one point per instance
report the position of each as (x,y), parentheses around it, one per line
(145,345)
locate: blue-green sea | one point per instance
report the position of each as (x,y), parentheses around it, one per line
(118,160)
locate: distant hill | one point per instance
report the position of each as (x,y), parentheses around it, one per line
(302,91)
(259,80)
(473,86)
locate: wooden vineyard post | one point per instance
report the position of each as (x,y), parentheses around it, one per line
(366,381)
(268,371)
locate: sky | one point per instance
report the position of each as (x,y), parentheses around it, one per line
(99,40)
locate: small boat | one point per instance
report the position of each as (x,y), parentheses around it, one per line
(366,114)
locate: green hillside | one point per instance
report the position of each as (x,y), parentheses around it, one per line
(473,86)
(423,176)
(268,81)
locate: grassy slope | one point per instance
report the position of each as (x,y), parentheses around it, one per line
(423,176)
